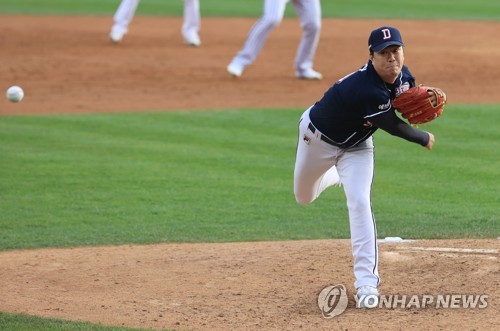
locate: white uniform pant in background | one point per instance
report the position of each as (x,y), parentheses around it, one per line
(309,13)
(316,167)
(192,19)
(126,11)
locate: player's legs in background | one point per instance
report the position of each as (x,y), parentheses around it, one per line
(309,13)
(356,168)
(272,17)
(122,18)
(192,22)
(314,165)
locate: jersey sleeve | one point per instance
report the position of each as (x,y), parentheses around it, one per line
(392,124)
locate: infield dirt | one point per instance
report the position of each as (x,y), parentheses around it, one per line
(67,65)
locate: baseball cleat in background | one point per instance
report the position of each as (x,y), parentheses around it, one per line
(308,74)
(192,40)
(116,35)
(367,297)
(235,69)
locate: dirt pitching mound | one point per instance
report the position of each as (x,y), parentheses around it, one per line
(249,286)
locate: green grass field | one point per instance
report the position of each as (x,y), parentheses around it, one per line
(227,176)
(132,178)
(21,322)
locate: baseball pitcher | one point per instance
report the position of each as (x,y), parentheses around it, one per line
(335,144)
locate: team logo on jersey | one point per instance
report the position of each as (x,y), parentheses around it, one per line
(402,88)
(385,105)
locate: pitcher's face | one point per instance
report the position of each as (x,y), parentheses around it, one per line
(388,63)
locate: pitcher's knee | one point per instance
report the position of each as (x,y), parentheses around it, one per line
(303,200)
(358,203)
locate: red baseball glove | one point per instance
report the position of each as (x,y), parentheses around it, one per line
(420,104)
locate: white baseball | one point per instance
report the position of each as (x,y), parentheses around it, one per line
(15,94)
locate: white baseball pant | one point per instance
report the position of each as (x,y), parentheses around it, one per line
(192,22)
(318,166)
(309,13)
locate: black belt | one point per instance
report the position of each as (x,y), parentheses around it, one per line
(323,137)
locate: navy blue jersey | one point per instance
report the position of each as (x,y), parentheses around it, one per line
(344,112)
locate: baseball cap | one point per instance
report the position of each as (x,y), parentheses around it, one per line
(383,37)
